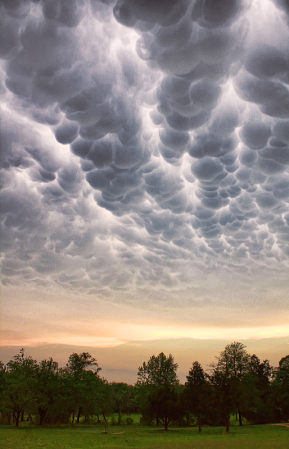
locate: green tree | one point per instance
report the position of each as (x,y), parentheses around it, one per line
(196,392)
(232,365)
(262,370)
(20,384)
(104,405)
(256,391)
(47,388)
(4,408)
(78,363)
(63,406)
(123,397)
(164,405)
(92,389)
(281,390)
(223,392)
(77,368)
(156,384)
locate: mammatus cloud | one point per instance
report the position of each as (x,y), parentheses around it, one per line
(145,146)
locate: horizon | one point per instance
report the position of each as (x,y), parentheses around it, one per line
(120,363)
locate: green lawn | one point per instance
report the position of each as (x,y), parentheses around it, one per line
(138,437)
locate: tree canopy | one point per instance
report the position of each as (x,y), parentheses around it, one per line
(237,383)
(159,370)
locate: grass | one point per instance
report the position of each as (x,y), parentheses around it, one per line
(138,437)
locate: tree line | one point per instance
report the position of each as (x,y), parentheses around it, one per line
(237,383)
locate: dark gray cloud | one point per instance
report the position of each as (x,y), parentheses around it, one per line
(144,144)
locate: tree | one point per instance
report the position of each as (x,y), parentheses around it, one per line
(281,389)
(234,360)
(123,397)
(78,363)
(21,381)
(4,409)
(196,391)
(91,395)
(256,391)
(104,405)
(163,404)
(160,370)
(48,384)
(282,373)
(232,364)
(76,368)
(223,390)
(262,371)
(156,384)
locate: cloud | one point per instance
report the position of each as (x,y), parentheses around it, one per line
(145,144)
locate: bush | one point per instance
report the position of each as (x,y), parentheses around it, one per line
(129,421)
(113,421)
(146,421)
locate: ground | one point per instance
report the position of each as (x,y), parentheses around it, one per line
(138,437)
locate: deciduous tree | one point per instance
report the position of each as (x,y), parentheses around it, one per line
(232,365)
(21,382)
(281,388)
(156,382)
(76,368)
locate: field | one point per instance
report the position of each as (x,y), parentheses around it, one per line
(138,437)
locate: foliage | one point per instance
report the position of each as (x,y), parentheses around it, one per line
(47,394)
(47,388)
(157,394)
(20,385)
(197,393)
(281,390)
(123,399)
(232,365)
(160,370)
(43,393)
(78,363)
(257,392)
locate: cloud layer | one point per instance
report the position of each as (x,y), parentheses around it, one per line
(145,147)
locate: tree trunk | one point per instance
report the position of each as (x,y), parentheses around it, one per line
(166,423)
(240,418)
(78,415)
(17,418)
(227,423)
(104,417)
(199,423)
(42,415)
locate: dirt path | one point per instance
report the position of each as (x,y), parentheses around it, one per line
(286,424)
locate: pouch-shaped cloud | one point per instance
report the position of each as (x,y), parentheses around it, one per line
(164,12)
(145,144)
(207,169)
(66,132)
(213,14)
(255,135)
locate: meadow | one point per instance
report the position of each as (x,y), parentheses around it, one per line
(141,437)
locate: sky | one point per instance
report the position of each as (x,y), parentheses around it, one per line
(144,179)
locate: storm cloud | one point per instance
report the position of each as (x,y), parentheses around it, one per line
(145,146)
